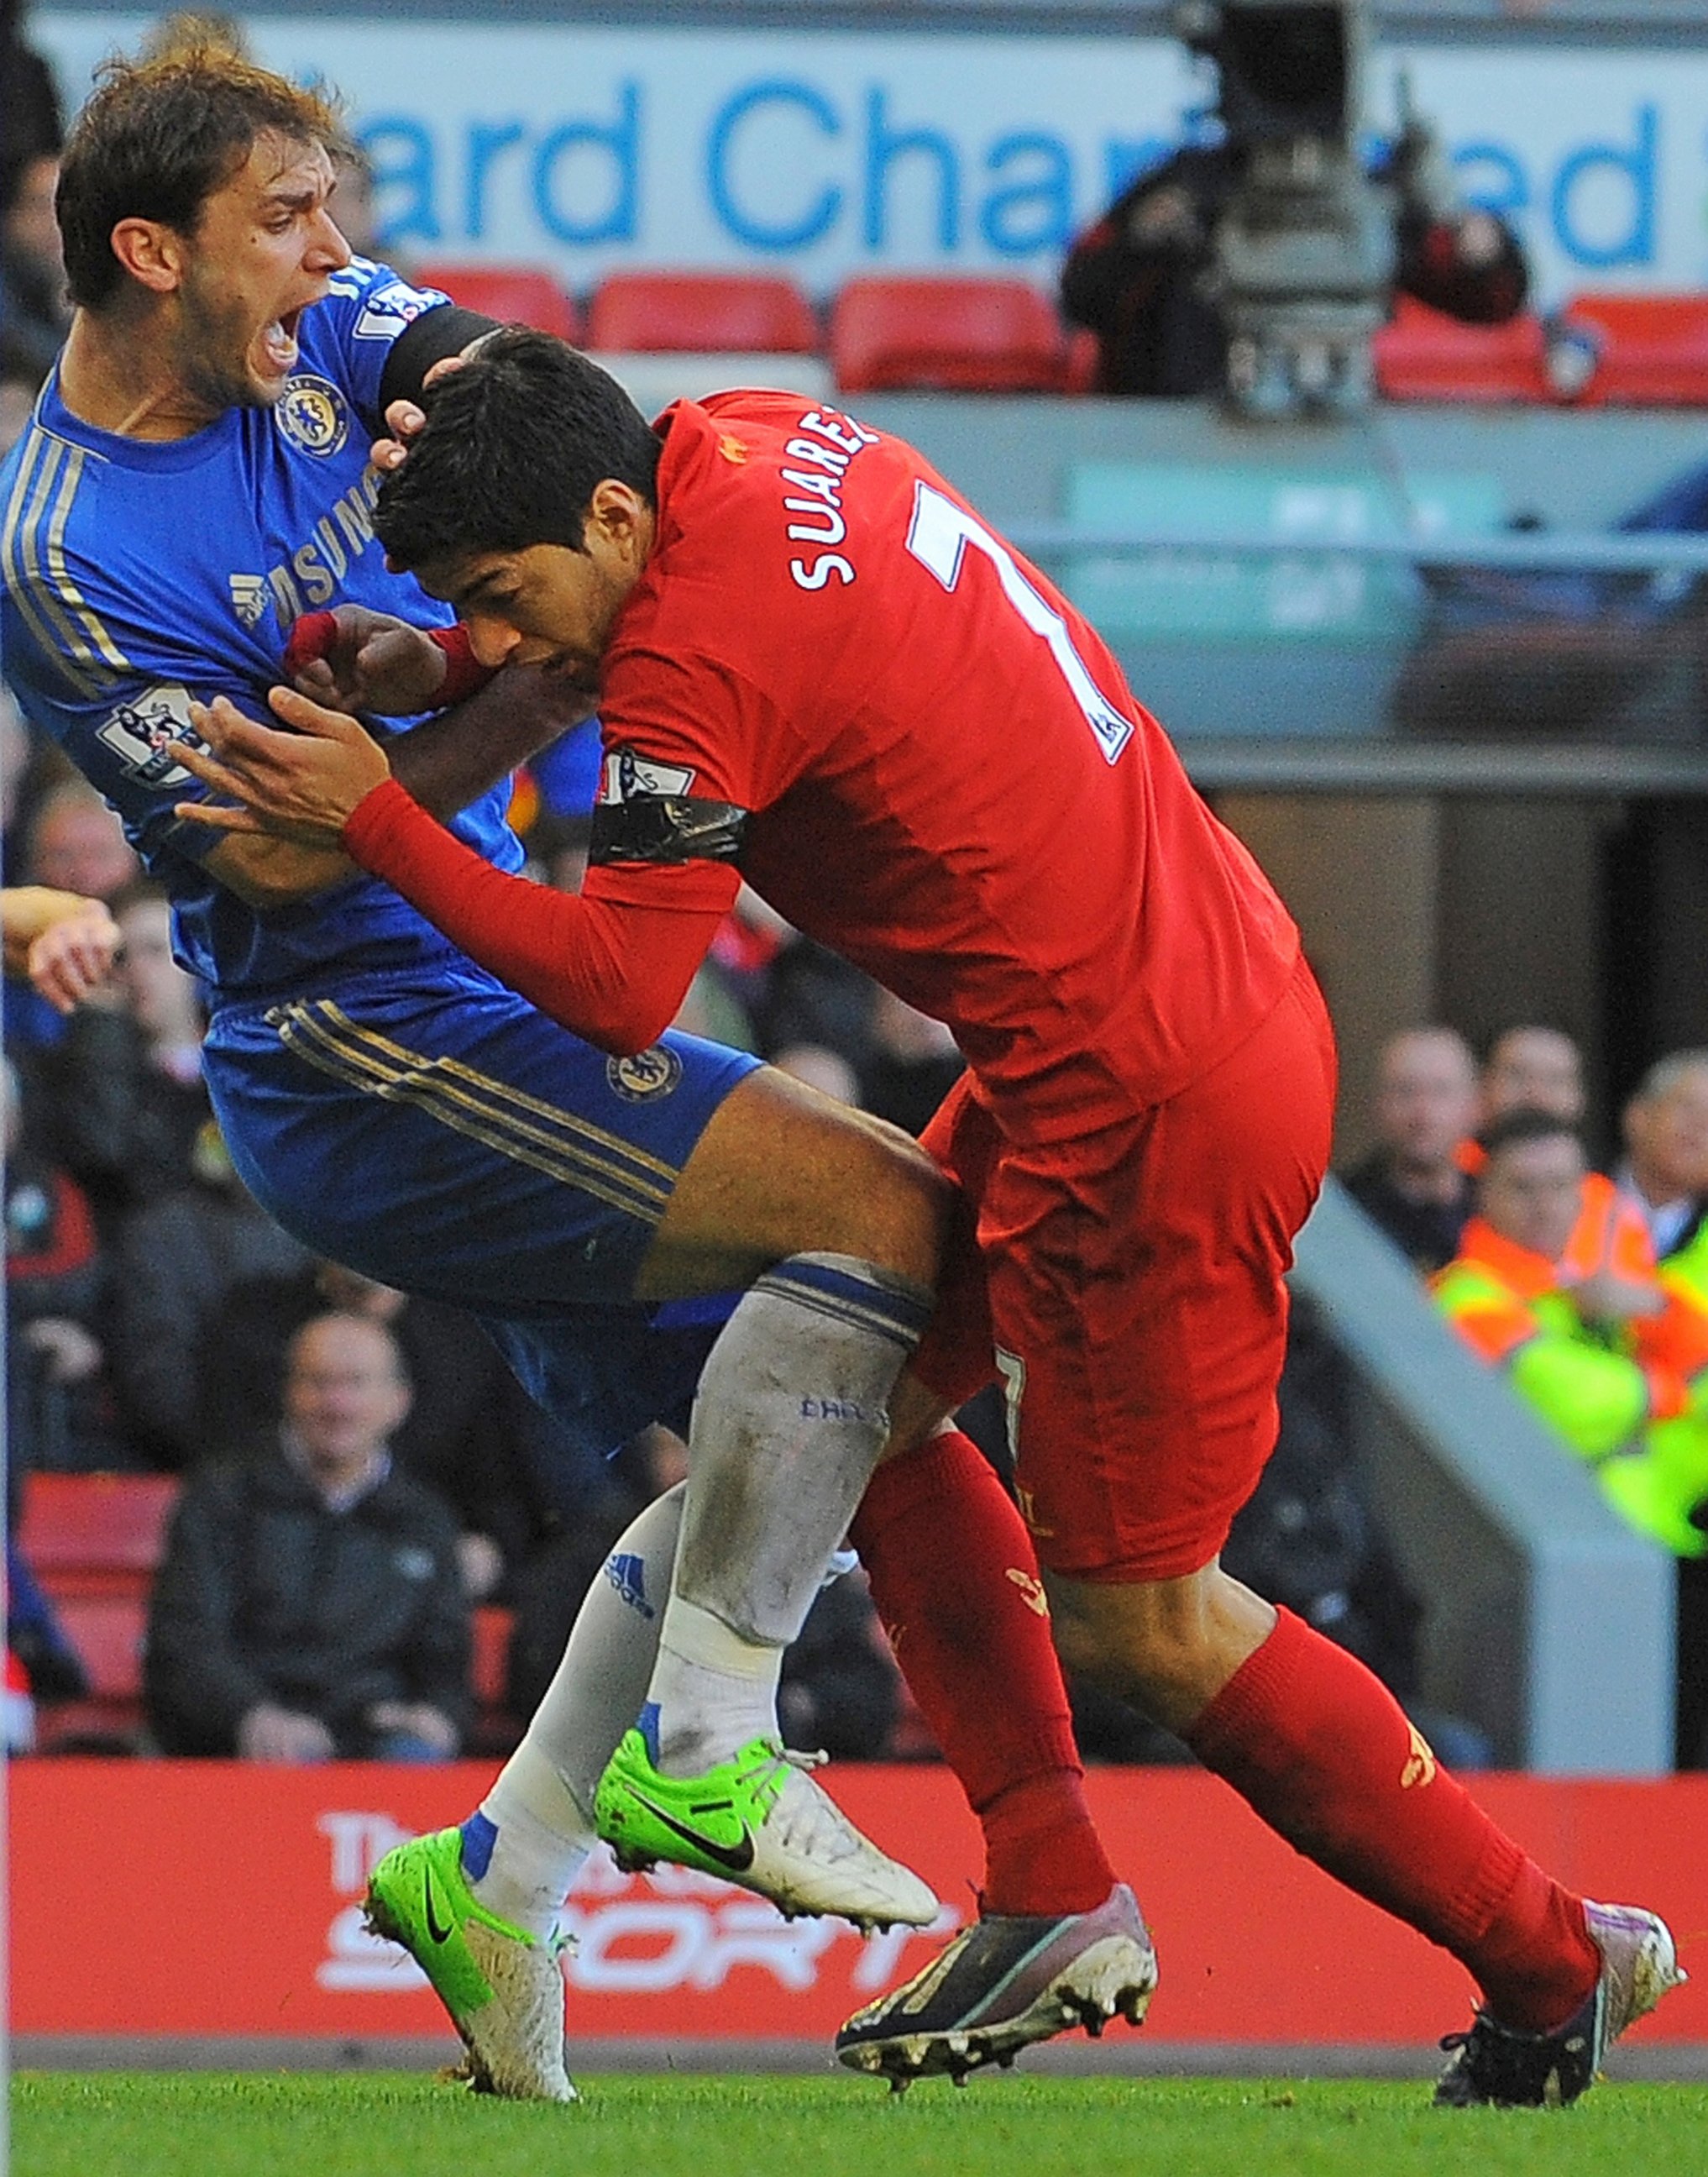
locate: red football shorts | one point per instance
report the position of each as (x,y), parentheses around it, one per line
(1135,1279)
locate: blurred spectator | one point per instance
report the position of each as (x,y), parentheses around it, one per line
(17,399)
(176,1259)
(31,121)
(310,1604)
(34,310)
(1614,1366)
(547,1591)
(472,1435)
(16,751)
(59,1412)
(77,843)
(1665,1171)
(31,767)
(356,215)
(709,1008)
(911,1063)
(131,1109)
(1310,1538)
(1413,1183)
(840,1693)
(53,1668)
(73,842)
(793,991)
(826,1071)
(1617,1373)
(1539,1068)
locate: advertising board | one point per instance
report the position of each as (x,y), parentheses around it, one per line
(828,152)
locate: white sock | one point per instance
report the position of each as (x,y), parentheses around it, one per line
(533,1838)
(537,1818)
(788,1421)
(712,1691)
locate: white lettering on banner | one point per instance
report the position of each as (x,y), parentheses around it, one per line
(646,1935)
(359,1843)
(832,152)
(358,1963)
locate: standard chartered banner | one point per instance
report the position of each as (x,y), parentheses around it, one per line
(823,154)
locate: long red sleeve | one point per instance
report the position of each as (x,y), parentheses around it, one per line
(615,970)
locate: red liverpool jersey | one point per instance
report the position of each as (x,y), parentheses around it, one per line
(948,780)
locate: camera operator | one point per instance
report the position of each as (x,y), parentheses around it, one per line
(1148,279)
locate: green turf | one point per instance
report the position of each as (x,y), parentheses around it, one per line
(343,2125)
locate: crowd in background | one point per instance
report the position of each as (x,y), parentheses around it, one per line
(159,1320)
(360,1470)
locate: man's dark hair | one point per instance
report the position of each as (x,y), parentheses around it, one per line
(1524,1122)
(515,442)
(158,138)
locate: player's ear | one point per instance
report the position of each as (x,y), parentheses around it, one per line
(620,514)
(151,252)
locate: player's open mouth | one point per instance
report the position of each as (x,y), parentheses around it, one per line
(279,342)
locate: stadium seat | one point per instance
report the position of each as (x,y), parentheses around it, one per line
(1424,355)
(1653,348)
(519,294)
(962,335)
(686,313)
(95,1534)
(492,1631)
(106,1631)
(495,1731)
(1079,371)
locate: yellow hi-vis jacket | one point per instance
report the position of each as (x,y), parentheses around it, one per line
(1631,1399)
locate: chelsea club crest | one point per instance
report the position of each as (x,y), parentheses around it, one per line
(311,415)
(647,1074)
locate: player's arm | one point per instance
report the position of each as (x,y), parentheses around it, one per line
(614,962)
(613,965)
(64,942)
(446,762)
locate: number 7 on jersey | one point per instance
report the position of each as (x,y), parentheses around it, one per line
(938,536)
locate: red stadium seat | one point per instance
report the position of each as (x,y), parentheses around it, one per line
(495,1731)
(492,1625)
(685,313)
(519,294)
(1079,372)
(106,1631)
(1654,348)
(1424,355)
(95,1534)
(962,335)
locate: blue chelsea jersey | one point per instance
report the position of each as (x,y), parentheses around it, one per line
(138,574)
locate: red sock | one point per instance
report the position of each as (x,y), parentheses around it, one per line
(956,1583)
(1322,1751)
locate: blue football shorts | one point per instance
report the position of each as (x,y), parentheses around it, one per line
(437,1134)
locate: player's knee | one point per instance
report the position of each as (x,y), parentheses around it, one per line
(912,1212)
(890,1204)
(1157,1643)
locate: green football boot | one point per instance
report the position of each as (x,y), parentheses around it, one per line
(503,1987)
(760,1820)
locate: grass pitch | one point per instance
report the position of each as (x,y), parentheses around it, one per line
(405,2125)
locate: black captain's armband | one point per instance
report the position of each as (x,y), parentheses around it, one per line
(666,827)
(427,340)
